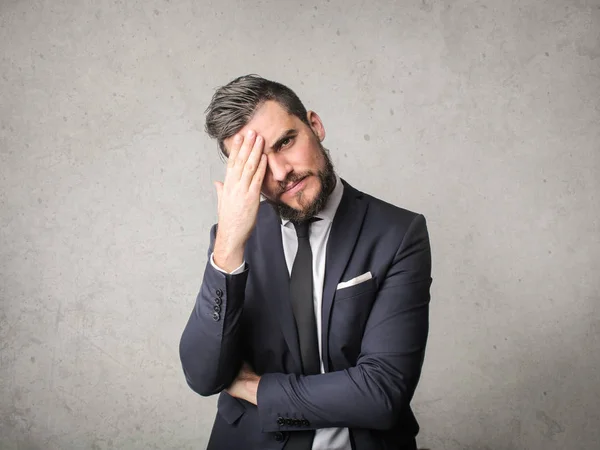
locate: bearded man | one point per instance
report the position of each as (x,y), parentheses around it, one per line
(312,318)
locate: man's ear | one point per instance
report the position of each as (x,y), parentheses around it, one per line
(316,124)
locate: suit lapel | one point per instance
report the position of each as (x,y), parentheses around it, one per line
(279,284)
(342,240)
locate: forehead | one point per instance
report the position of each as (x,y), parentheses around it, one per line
(270,120)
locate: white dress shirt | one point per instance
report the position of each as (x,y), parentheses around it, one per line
(325,438)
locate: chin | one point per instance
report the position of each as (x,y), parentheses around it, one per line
(304,204)
(308,194)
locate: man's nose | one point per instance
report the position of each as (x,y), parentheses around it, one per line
(278,167)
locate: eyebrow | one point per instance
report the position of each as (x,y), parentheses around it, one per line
(286,135)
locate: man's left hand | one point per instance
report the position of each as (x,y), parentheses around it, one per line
(245,385)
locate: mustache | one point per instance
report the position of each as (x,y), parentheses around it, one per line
(291,179)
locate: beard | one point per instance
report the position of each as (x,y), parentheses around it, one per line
(327,181)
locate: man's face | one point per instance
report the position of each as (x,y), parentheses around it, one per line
(299,176)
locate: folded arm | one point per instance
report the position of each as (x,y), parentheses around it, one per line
(373,393)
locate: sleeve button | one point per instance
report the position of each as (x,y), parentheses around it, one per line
(218,301)
(217,308)
(280,421)
(219,293)
(216,316)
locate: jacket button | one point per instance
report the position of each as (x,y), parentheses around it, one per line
(218,301)
(219,293)
(217,308)
(279,436)
(280,421)
(216,316)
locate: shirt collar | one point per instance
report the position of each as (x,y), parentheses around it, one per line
(328,213)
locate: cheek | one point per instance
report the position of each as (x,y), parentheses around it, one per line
(314,187)
(318,158)
(308,158)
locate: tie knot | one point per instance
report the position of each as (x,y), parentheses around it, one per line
(303,227)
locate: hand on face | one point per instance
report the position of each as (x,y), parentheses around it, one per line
(239,199)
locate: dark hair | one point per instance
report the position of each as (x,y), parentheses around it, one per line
(233,105)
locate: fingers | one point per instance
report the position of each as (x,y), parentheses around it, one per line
(241,149)
(219,188)
(244,158)
(253,160)
(259,175)
(235,148)
(239,161)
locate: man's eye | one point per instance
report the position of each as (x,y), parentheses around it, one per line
(284,143)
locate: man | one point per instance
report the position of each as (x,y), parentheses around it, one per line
(312,317)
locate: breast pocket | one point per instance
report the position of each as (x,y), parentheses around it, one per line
(357,289)
(349,314)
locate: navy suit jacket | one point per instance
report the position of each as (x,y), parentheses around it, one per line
(373,333)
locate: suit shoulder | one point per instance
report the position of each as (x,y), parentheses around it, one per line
(390,225)
(382,210)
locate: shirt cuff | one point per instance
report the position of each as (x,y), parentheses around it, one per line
(235,272)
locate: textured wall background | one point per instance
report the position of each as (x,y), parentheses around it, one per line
(483,115)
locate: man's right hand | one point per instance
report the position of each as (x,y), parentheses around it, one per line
(239,199)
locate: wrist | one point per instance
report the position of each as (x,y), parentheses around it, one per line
(227,257)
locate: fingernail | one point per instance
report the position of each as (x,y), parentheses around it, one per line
(250,133)
(258,139)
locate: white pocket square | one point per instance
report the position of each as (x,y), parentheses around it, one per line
(354,281)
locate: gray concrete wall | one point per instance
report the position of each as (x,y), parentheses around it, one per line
(483,115)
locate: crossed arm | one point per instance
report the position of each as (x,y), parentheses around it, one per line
(368,395)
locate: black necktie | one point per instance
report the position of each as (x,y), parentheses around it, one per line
(301,291)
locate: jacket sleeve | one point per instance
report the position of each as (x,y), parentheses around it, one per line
(373,393)
(210,346)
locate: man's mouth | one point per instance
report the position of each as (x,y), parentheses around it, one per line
(294,185)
